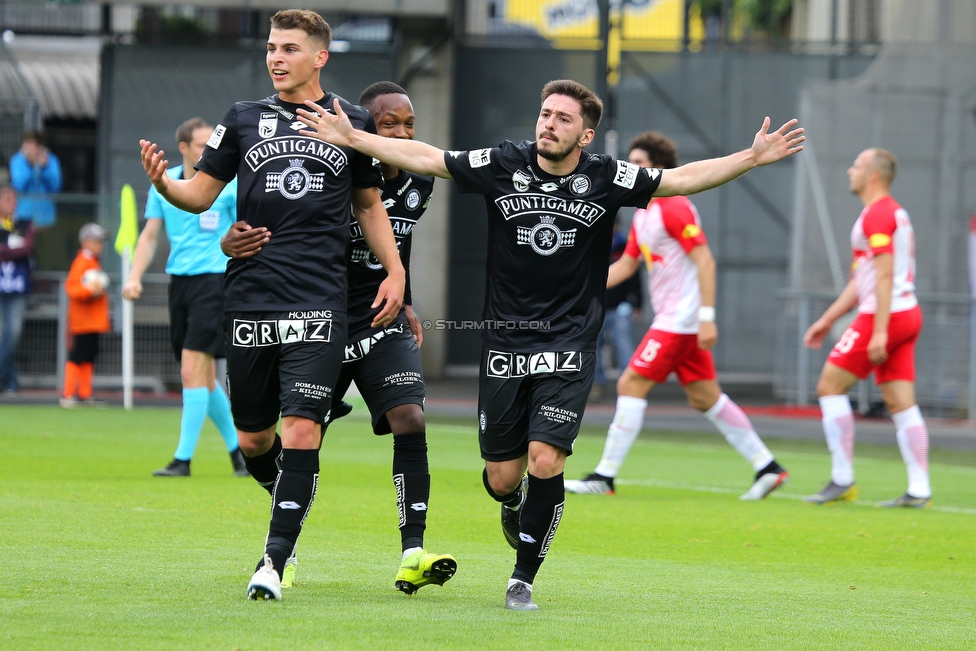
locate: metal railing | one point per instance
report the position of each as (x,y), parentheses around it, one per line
(945,354)
(43,351)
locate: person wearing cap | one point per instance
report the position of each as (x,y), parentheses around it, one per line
(16,246)
(87,317)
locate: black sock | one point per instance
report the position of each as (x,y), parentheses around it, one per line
(541,513)
(771,468)
(293,495)
(513,500)
(264,467)
(411,478)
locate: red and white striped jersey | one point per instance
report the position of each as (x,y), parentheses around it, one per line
(663,234)
(884,227)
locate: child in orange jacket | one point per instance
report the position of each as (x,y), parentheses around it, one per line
(87,316)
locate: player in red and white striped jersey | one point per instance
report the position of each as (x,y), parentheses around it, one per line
(668,237)
(881,338)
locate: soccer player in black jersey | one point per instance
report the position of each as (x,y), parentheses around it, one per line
(551,208)
(284,308)
(385,361)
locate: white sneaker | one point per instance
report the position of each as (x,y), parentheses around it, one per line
(265,585)
(592,484)
(765,484)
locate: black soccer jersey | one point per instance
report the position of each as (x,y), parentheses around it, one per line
(405,198)
(299,188)
(548,242)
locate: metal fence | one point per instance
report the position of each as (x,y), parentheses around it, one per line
(945,353)
(43,349)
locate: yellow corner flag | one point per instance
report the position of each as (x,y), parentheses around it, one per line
(129,225)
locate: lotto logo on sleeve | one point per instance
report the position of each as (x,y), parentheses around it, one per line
(273,332)
(513,365)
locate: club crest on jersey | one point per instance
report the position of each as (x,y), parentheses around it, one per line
(412,200)
(546,238)
(294,182)
(267,124)
(521,180)
(579,184)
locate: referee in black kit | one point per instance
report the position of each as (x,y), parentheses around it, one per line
(284,308)
(551,208)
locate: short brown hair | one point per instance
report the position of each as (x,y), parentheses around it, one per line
(660,149)
(591,108)
(306,20)
(32,135)
(885,163)
(184,133)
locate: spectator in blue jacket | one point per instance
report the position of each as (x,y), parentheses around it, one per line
(34,170)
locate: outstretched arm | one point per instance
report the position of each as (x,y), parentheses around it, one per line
(194,195)
(411,155)
(706,174)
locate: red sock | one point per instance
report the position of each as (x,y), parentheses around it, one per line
(70,379)
(85,372)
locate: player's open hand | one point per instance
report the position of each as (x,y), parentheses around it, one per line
(132,290)
(390,296)
(323,125)
(771,147)
(815,334)
(414,322)
(878,348)
(243,241)
(707,335)
(154,164)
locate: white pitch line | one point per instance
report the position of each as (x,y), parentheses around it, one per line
(654,483)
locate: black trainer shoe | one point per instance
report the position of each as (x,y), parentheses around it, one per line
(510,517)
(338,411)
(176,468)
(237,460)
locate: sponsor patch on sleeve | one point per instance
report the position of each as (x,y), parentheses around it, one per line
(626,174)
(479,157)
(690,231)
(879,240)
(216,136)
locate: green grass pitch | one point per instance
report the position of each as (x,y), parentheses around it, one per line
(99,555)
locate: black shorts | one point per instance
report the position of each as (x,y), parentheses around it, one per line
(84,348)
(386,369)
(526,397)
(283,363)
(196,306)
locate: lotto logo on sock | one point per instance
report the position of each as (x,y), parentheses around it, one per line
(289,505)
(418,506)
(524,537)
